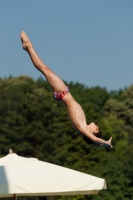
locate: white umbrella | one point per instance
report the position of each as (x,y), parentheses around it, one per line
(31,177)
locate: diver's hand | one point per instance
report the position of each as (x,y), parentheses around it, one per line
(109,143)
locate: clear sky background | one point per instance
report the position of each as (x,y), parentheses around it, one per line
(85,41)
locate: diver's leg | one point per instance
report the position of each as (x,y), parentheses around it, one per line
(54,81)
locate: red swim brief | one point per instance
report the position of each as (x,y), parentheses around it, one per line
(60,95)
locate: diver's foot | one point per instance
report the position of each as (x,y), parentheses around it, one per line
(25,41)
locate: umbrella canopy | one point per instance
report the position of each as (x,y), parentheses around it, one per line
(32,177)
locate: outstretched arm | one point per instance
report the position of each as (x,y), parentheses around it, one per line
(101,145)
(97,142)
(107,144)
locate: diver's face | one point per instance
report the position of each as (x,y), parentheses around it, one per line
(93,127)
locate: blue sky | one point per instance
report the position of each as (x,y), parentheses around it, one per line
(85,41)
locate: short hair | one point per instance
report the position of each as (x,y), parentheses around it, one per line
(99,134)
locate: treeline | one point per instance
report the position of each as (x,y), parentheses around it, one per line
(33,124)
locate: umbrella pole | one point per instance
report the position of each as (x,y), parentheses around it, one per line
(15,196)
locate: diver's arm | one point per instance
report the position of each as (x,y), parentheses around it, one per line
(95,140)
(96,145)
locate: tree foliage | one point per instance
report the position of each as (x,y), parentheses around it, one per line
(33,124)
